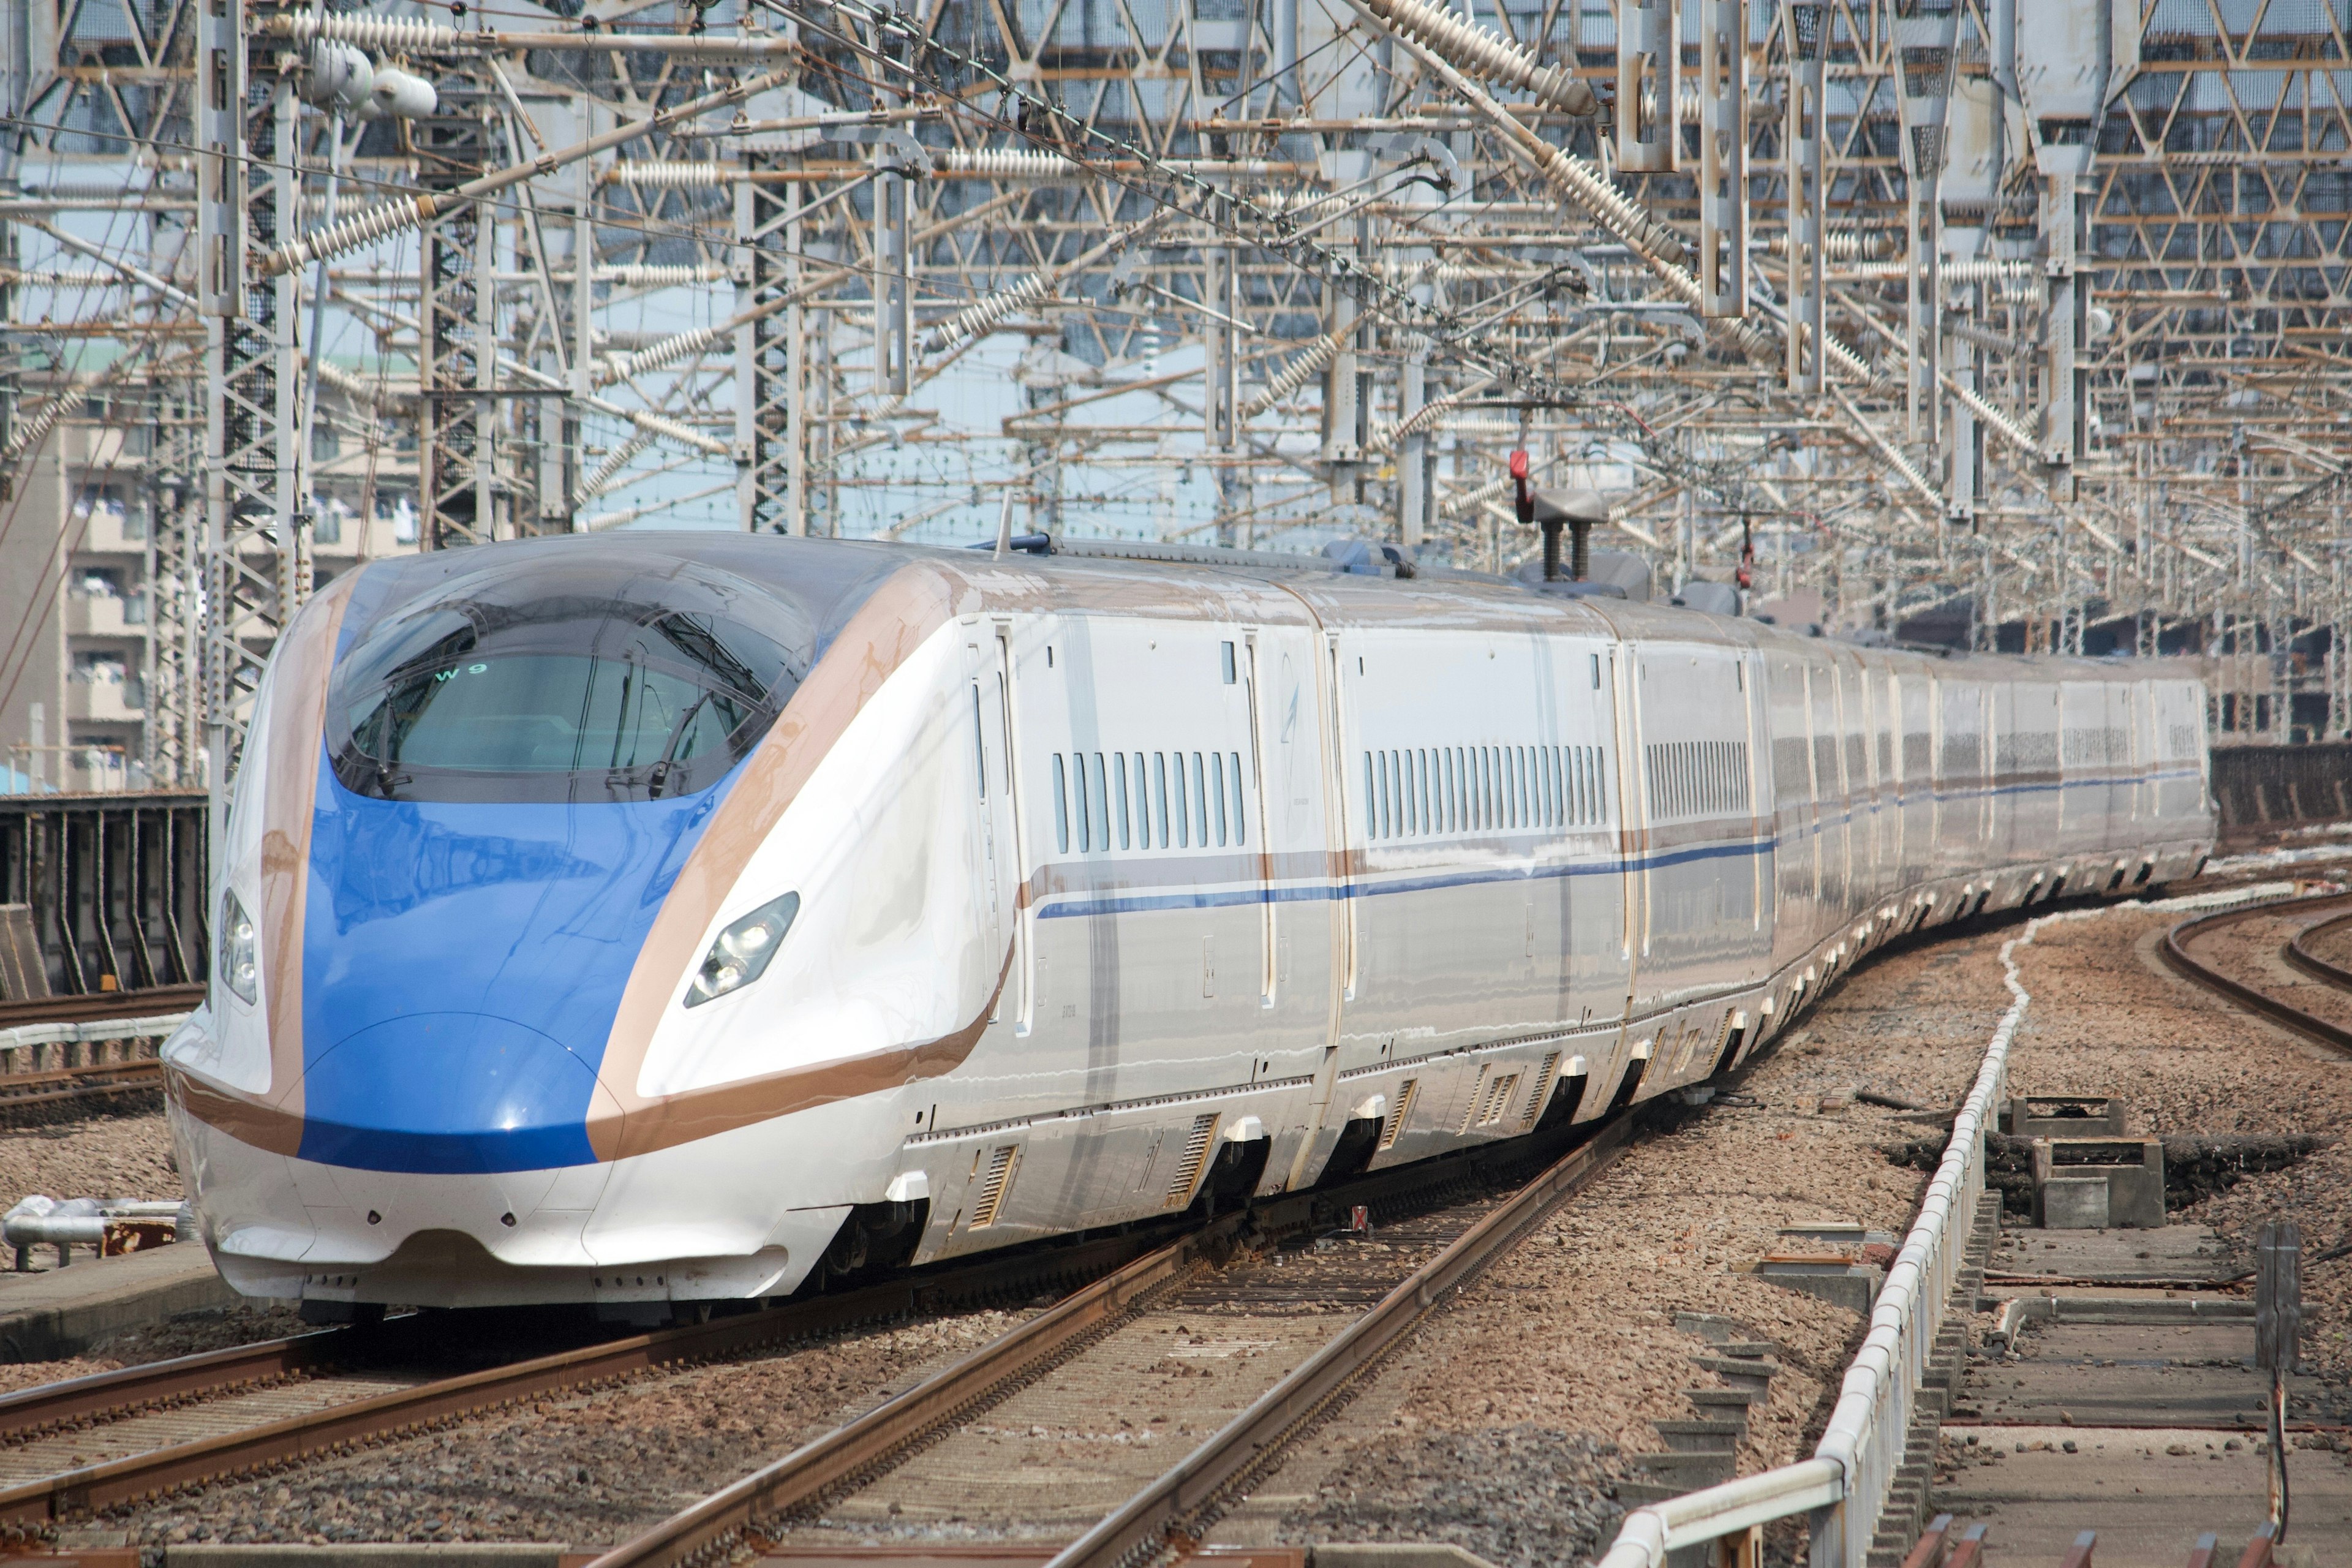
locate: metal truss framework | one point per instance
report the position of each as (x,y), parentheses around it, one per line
(1896,302)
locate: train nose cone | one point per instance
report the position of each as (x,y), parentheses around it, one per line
(447,1092)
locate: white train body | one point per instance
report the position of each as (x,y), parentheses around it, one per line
(1112,879)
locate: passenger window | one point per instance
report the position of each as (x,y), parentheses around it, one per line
(1085,834)
(1241,829)
(1200,802)
(1371,799)
(1183,817)
(1061,809)
(1119,759)
(1160,793)
(1102,805)
(1217,786)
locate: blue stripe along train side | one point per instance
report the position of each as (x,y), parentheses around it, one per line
(639,921)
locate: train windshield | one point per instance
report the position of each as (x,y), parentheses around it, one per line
(561,699)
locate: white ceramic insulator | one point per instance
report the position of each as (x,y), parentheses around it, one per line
(671,430)
(340,76)
(361,228)
(1486,54)
(670,175)
(668,352)
(1294,374)
(619,458)
(633,276)
(978,318)
(399,95)
(394,34)
(1003,163)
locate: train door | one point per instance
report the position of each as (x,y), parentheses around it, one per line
(1000,820)
(1833,799)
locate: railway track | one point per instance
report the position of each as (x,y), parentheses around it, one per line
(39,1040)
(79,1447)
(2180,945)
(1186,1498)
(100,1005)
(120,1437)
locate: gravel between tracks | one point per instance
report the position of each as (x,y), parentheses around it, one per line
(589,1469)
(2108,1017)
(91,1157)
(1554,1367)
(1505,1425)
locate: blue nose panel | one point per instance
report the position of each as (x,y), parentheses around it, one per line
(461,967)
(448,1092)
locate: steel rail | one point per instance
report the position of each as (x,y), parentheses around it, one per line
(80,1083)
(874,1439)
(1170,1512)
(2174,950)
(2310,962)
(343,1426)
(98,1006)
(106,1396)
(853,1452)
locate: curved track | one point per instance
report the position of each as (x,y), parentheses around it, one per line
(2298,953)
(2181,939)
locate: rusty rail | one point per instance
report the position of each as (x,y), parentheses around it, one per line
(2301,956)
(1174,1510)
(361,1421)
(2174,949)
(98,1006)
(107,1395)
(874,1442)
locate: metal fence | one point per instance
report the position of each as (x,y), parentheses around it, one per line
(2278,786)
(116,884)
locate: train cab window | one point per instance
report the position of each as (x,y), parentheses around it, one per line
(1225,654)
(480,694)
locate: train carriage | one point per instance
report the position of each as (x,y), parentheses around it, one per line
(663,918)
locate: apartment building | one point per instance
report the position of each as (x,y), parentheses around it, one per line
(78,571)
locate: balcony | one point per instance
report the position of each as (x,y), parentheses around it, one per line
(106,615)
(102,700)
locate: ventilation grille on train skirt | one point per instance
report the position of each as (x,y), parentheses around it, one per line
(1486,1108)
(1403,1112)
(1544,1076)
(1196,1154)
(989,1200)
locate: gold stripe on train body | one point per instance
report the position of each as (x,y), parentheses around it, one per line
(902,614)
(297,695)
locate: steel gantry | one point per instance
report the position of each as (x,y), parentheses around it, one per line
(1953,320)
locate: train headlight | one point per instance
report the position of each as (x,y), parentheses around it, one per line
(235,940)
(740,954)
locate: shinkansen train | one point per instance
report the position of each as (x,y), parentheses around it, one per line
(652,921)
